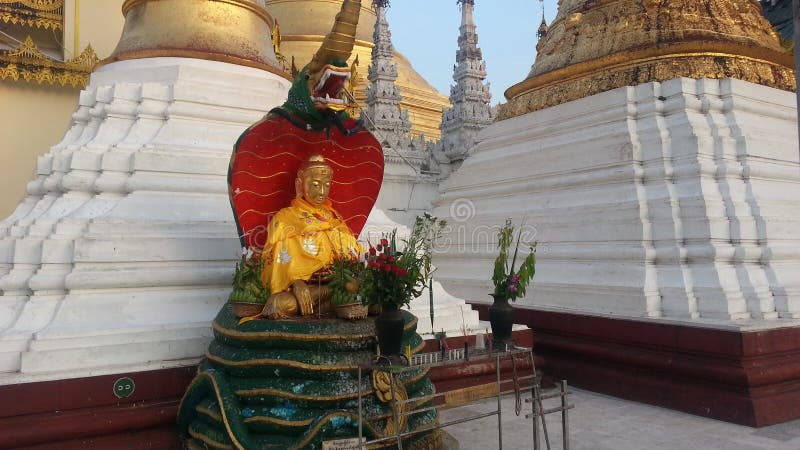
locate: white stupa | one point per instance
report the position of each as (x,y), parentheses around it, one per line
(122,251)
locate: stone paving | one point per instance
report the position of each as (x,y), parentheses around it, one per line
(600,422)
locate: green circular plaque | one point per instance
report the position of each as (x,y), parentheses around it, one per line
(124,387)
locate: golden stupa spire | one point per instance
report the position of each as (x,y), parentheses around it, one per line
(233,31)
(594,46)
(542,31)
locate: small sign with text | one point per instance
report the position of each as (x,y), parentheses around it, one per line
(343,444)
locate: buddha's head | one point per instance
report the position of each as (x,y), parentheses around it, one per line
(313,182)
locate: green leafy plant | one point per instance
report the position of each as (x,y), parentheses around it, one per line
(393,277)
(344,285)
(247,285)
(508,281)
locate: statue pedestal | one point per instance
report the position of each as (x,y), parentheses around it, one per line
(299,383)
(123,250)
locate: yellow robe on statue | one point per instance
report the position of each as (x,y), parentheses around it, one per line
(302,239)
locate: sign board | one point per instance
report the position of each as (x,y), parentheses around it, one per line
(343,444)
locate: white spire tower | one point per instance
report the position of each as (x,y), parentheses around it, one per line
(469,95)
(386,120)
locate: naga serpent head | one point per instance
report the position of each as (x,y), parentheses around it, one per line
(328,73)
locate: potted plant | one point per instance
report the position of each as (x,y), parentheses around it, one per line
(392,278)
(509,283)
(344,287)
(249,293)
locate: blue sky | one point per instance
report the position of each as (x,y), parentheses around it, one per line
(426,31)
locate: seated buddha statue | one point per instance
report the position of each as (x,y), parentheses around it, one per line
(302,241)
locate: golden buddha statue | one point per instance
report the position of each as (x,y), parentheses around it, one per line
(303,239)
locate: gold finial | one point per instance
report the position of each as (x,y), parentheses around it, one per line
(276,38)
(542,31)
(593,46)
(353,81)
(295,70)
(353,108)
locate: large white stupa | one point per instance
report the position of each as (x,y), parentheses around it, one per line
(652,153)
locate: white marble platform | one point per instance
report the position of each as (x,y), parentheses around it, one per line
(678,199)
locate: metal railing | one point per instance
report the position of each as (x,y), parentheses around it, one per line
(528,382)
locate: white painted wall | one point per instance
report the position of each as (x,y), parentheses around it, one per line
(677,199)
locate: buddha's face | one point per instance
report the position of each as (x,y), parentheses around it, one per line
(316,185)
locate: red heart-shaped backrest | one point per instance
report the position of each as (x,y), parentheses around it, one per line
(264,166)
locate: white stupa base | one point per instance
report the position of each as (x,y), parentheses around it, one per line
(406,192)
(124,249)
(678,199)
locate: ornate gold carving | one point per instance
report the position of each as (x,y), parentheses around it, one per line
(28,63)
(389,390)
(38,5)
(47,14)
(599,45)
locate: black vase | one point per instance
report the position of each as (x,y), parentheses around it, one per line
(501,316)
(389,328)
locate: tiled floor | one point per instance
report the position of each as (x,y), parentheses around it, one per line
(602,422)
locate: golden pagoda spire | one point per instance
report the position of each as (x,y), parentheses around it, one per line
(542,31)
(233,31)
(594,46)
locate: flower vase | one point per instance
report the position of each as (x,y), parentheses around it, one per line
(389,329)
(501,316)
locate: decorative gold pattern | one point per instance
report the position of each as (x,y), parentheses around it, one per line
(29,64)
(389,390)
(47,14)
(37,5)
(599,45)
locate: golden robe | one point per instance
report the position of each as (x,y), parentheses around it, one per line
(302,239)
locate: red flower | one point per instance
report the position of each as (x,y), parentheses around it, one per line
(372,251)
(386,267)
(402,272)
(379,247)
(384,242)
(390,259)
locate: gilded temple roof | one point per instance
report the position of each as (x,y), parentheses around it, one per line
(594,46)
(31,45)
